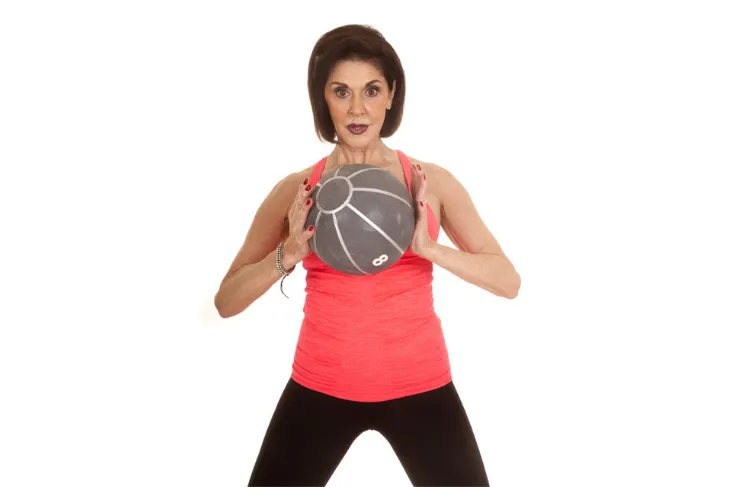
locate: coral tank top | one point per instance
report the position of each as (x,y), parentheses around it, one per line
(373,337)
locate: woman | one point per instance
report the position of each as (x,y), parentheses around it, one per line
(371,353)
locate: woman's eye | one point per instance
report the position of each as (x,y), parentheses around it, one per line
(341,92)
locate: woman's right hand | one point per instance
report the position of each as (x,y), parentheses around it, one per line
(296,245)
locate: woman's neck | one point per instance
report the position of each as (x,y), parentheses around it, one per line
(376,154)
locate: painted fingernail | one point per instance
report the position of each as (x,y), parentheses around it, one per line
(311,227)
(305,181)
(309,202)
(309,186)
(421,202)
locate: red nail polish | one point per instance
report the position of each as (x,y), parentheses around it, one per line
(421,203)
(311,227)
(309,186)
(309,202)
(305,181)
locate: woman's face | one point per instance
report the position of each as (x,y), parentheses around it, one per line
(357,96)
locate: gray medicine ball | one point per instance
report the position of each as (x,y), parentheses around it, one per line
(364,219)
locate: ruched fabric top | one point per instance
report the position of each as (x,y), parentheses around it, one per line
(373,337)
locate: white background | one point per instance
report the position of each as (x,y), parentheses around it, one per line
(137,139)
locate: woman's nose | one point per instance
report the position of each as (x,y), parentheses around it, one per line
(357,106)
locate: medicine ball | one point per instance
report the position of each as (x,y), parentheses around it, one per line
(364,219)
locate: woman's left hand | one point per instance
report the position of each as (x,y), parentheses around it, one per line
(422,241)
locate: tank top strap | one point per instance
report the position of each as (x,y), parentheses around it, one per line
(406,164)
(317,171)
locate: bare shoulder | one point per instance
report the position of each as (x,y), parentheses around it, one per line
(282,195)
(293,180)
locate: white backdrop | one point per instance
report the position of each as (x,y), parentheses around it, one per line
(138,138)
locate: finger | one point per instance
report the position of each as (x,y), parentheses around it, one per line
(416,181)
(419,206)
(307,197)
(303,193)
(421,193)
(420,174)
(304,190)
(304,212)
(309,233)
(421,220)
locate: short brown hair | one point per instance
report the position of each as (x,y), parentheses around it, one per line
(353,42)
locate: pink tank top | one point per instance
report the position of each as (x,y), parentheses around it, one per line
(375,337)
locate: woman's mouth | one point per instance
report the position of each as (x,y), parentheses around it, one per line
(357,129)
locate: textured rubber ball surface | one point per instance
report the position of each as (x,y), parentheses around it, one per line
(364,219)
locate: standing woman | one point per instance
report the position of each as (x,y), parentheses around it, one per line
(371,353)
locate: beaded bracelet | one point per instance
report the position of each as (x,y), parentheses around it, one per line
(280,267)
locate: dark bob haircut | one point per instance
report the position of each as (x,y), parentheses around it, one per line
(353,43)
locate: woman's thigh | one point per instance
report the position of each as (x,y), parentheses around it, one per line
(433,438)
(307,437)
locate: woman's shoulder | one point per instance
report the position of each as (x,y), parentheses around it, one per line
(290,182)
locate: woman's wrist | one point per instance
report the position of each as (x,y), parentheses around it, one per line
(284,266)
(430,251)
(287,260)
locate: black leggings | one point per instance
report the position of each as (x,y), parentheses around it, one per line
(310,433)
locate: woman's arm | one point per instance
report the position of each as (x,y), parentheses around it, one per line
(253,270)
(491,272)
(478,258)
